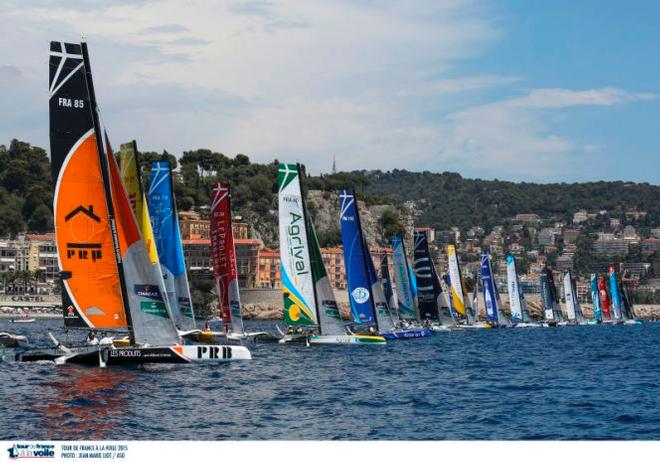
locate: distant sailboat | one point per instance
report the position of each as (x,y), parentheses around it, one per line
(108,280)
(494,315)
(519,315)
(368,303)
(595,300)
(604,299)
(434,309)
(310,308)
(573,309)
(615,296)
(460,302)
(405,290)
(551,307)
(388,289)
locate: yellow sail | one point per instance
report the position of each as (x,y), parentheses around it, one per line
(456,282)
(130,176)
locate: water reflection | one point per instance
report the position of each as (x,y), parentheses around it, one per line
(83,402)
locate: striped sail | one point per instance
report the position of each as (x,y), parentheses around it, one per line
(297,279)
(167,235)
(223,258)
(368,304)
(403,281)
(595,299)
(614,294)
(571,298)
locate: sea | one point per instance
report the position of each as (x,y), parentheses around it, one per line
(569,383)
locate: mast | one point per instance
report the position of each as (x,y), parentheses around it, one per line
(309,253)
(103,161)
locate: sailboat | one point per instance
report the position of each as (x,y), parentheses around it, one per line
(595,301)
(310,308)
(167,238)
(573,310)
(108,281)
(405,291)
(223,261)
(551,308)
(604,299)
(13,340)
(494,315)
(459,301)
(369,306)
(519,314)
(434,309)
(388,289)
(627,301)
(621,314)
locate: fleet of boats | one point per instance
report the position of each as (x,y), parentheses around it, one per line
(124,278)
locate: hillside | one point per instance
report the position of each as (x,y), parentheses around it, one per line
(439,200)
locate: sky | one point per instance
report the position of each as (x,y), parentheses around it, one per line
(541,91)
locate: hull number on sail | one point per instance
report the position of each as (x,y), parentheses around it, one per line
(73,103)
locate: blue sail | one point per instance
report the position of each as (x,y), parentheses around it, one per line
(489,289)
(359,285)
(167,236)
(595,299)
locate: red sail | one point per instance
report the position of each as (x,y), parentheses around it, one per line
(604,298)
(223,256)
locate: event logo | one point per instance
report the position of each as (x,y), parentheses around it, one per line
(31,451)
(360,295)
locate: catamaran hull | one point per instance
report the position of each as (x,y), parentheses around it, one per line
(347,340)
(437,328)
(525,325)
(179,354)
(632,322)
(406,334)
(13,341)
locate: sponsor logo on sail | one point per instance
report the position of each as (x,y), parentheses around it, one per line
(148,291)
(154,308)
(360,295)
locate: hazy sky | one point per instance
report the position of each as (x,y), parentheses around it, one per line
(522,90)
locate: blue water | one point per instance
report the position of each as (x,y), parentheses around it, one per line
(591,382)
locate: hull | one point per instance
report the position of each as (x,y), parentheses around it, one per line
(22,321)
(474,326)
(178,354)
(347,340)
(13,341)
(441,328)
(403,334)
(632,322)
(526,325)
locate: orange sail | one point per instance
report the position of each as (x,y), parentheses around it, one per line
(91,286)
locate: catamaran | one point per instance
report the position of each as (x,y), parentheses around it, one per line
(595,301)
(622,315)
(310,308)
(494,315)
(388,290)
(551,308)
(108,281)
(627,301)
(434,309)
(573,309)
(519,314)
(604,299)
(460,304)
(223,261)
(369,306)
